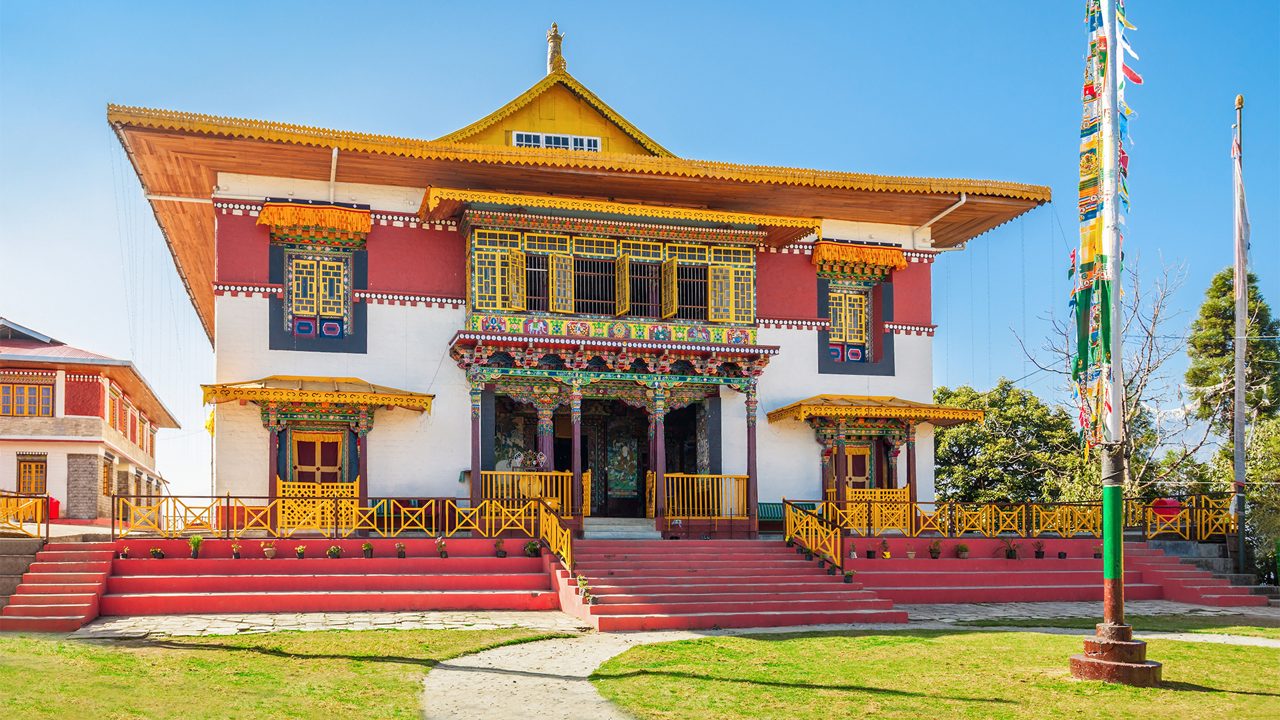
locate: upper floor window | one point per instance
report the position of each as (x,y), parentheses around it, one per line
(319,296)
(542,272)
(31,476)
(557,141)
(26,400)
(849,305)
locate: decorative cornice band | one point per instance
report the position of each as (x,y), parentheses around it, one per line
(794,323)
(536,340)
(248,291)
(919,256)
(380,298)
(909,329)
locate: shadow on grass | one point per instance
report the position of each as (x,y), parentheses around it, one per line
(1192,687)
(798,685)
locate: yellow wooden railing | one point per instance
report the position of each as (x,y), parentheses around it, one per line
(554,487)
(706,497)
(24,514)
(877,512)
(650,484)
(557,536)
(813,532)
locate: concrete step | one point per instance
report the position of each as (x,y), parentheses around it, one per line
(337,583)
(47,610)
(79,546)
(41,624)
(601,586)
(20,546)
(59,578)
(57,588)
(851,593)
(82,598)
(74,555)
(649,607)
(702,621)
(289,565)
(327,601)
(14,564)
(1027,593)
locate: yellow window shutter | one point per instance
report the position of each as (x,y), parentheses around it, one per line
(744,296)
(516,295)
(720,293)
(622,285)
(856,318)
(670,289)
(303,290)
(836,310)
(560,275)
(488,283)
(332,296)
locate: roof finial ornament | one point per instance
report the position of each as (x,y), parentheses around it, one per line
(555,60)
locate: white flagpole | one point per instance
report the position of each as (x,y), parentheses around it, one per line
(1241,286)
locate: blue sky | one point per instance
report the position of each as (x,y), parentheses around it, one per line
(908,88)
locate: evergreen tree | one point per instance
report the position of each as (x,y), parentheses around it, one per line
(1211,349)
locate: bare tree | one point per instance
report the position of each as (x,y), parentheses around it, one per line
(1162,434)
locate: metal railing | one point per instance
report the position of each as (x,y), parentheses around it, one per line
(1197,517)
(24,514)
(813,532)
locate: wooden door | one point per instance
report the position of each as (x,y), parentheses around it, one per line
(317,457)
(31,477)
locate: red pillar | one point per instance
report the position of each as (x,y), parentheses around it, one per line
(362,450)
(477,393)
(546,438)
(575,462)
(752,402)
(273,457)
(660,456)
(842,469)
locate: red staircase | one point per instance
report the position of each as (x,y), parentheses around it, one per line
(61,590)
(1187,583)
(695,584)
(471,578)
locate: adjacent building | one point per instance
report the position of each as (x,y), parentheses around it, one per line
(76,425)
(548,302)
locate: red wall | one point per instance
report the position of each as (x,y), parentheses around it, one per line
(84,397)
(241,252)
(786,286)
(913,295)
(410,260)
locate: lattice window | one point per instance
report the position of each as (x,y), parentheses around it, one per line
(304,295)
(31,477)
(848,310)
(516,289)
(595,247)
(25,400)
(545,243)
(108,468)
(687,253)
(670,289)
(497,239)
(730,294)
(622,285)
(333,302)
(641,249)
(744,296)
(488,271)
(731,255)
(560,278)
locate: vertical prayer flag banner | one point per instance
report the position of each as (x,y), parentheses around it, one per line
(1104,169)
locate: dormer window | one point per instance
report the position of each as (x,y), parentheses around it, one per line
(556,141)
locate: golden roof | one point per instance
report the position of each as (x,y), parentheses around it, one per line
(874,407)
(308,389)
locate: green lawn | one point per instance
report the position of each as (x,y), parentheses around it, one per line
(325,674)
(929,675)
(1252,626)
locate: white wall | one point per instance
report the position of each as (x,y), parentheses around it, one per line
(410,453)
(55,467)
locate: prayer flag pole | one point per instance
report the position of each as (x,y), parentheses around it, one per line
(1241,341)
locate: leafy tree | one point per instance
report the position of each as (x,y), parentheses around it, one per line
(1020,445)
(1262,488)
(1211,349)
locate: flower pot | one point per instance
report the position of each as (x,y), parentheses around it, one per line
(822,563)
(301,555)
(790,543)
(871,554)
(962,554)
(268,553)
(235,554)
(1062,556)
(400,553)
(886,554)
(935,555)
(911,554)
(831,570)
(1039,554)
(1010,554)
(848,579)
(501,553)
(444,554)
(124,556)
(367,553)
(1097,556)
(195,554)
(808,555)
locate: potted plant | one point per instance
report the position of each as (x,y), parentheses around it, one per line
(962,551)
(884,548)
(300,551)
(1010,548)
(1062,555)
(334,551)
(1097,552)
(935,549)
(366,549)
(195,541)
(848,577)
(235,551)
(124,553)
(400,550)
(533,548)
(1038,547)
(808,554)
(911,552)
(790,542)
(822,561)
(831,569)
(871,552)
(268,548)
(582,584)
(499,548)
(440,547)
(157,553)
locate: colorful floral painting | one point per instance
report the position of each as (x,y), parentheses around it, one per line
(660,332)
(537,326)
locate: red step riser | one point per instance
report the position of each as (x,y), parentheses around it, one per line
(669,546)
(675,598)
(714,554)
(736,607)
(973,565)
(77,556)
(62,578)
(351,547)
(630,623)
(1004,579)
(713,589)
(326,566)
(77,610)
(322,602)
(41,625)
(760,572)
(932,596)
(69,567)
(79,547)
(53,599)
(318,583)
(27,588)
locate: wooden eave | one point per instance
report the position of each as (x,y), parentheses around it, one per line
(880,407)
(322,390)
(180,155)
(121,372)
